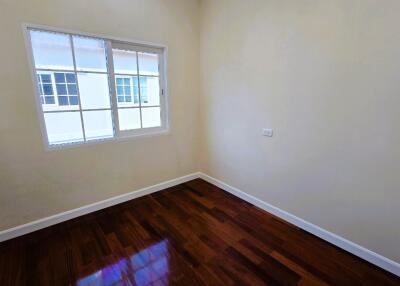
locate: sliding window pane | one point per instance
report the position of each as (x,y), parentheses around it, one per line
(51,50)
(129,118)
(148,64)
(151,117)
(124,62)
(90,54)
(98,124)
(150,91)
(63,127)
(94,90)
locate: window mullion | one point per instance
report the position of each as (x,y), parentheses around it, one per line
(111,81)
(162,91)
(138,81)
(77,86)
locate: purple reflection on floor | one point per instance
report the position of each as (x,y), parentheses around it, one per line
(147,267)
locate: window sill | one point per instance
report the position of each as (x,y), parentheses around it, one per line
(145,134)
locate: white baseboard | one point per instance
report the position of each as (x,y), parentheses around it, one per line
(54,219)
(341,242)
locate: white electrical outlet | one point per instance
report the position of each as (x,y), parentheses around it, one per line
(267,132)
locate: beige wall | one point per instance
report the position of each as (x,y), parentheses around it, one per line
(325,75)
(35,183)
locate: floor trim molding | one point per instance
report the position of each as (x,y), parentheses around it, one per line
(54,219)
(339,241)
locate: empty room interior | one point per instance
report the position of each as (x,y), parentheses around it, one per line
(200,142)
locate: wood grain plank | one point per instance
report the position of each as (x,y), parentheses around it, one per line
(191,234)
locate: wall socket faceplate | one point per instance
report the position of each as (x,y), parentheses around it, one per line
(267,132)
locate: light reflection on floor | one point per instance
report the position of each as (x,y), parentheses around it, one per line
(145,268)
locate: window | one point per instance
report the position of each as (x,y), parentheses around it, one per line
(125,89)
(45,84)
(67,92)
(92,88)
(143,85)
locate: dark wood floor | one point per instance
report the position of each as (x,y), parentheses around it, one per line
(192,234)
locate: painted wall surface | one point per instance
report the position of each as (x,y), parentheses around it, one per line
(325,75)
(35,183)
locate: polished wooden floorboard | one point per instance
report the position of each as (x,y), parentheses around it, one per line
(191,234)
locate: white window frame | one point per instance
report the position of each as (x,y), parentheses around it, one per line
(110,42)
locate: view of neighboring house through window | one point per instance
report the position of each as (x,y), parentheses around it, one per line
(128,89)
(67,92)
(138,88)
(85,97)
(57,89)
(45,83)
